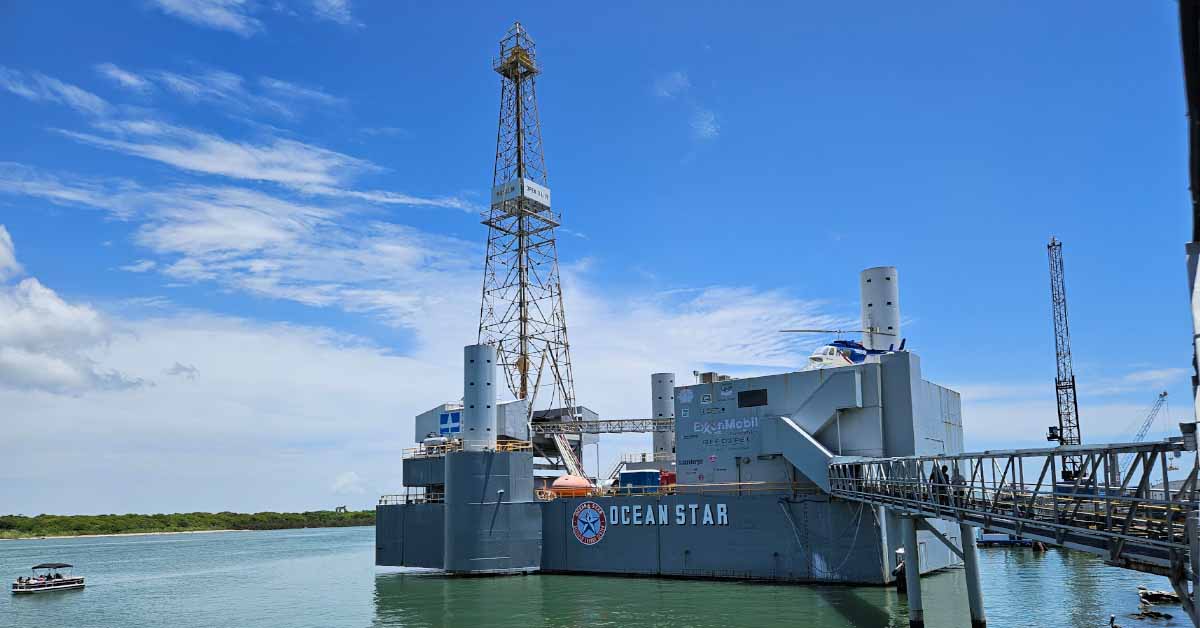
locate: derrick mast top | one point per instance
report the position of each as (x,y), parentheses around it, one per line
(521,312)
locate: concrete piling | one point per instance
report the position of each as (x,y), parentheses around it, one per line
(971,562)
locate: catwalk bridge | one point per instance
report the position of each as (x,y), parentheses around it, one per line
(1118,505)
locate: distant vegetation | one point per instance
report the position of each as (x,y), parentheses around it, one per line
(16,526)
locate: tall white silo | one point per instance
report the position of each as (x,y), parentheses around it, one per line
(479,397)
(880,288)
(662,406)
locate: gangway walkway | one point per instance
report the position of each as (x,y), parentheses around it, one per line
(1136,519)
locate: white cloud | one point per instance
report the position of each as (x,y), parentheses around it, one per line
(1111,408)
(277,160)
(311,170)
(124,78)
(228,15)
(1158,377)
(221,88)
(672,84)
(271,246)
(334,11)
(348,483)
(299,92)
(390,198)
(37,87)
(704,124)
(702,120)
(297,404)
(9,267)
(140,266)
(46,344)
(23,180)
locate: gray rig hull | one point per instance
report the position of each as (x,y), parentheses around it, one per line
(827,543)
(752,500)
(764,537)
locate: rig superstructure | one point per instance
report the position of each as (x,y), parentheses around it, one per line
(521,311)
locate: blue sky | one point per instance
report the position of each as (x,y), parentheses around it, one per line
(246,234)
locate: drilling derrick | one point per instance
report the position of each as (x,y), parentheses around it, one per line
(1067,432)
(522,307)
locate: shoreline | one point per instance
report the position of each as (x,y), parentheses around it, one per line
(162,533)
(124,534)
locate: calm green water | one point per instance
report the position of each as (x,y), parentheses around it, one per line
(325,578)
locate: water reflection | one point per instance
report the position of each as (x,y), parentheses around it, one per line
(414,600)
(1058,588)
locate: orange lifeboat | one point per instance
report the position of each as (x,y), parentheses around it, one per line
(571,486)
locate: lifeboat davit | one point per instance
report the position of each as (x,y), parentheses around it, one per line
(571,486)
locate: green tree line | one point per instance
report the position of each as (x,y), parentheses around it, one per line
(18,526)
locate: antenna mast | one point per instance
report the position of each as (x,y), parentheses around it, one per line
(522,308)
(1067,432)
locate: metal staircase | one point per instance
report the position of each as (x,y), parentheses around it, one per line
(570,460)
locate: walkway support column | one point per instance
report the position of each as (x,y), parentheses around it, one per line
(971,562)
(912,572)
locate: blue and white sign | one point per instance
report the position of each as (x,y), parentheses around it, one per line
(450,423)
(520,188)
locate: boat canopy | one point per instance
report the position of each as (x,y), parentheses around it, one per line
(52,566)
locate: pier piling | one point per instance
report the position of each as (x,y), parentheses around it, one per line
(912,572)
(971,562)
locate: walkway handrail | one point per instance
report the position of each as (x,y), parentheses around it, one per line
(433,451)
(1102,509)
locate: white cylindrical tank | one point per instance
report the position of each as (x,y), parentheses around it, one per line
(662,406)
(479,397)
(880,288)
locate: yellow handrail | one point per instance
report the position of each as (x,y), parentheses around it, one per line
(430,451)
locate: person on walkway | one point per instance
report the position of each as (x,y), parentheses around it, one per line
(960,487)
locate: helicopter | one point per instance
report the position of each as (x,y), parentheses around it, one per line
(843,352)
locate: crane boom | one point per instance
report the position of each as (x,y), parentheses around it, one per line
(1145,427)
(1064,381)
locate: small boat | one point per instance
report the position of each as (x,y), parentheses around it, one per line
(47,577)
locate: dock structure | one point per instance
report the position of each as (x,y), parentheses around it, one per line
(1134,519)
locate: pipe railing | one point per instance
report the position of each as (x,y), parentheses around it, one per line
(1133,515)
(723,488)
(433,451)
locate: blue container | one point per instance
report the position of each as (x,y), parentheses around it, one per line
(639,481)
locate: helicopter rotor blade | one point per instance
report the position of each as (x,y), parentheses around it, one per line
(833,331)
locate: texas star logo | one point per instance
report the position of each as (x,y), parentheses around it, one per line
(589,523)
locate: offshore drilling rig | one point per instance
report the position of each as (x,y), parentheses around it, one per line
(521,310)
(738,482)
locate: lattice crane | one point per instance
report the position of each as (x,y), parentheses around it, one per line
(1067,430)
